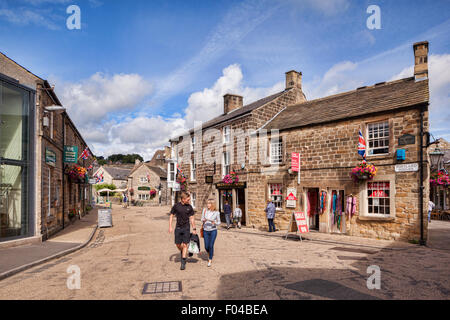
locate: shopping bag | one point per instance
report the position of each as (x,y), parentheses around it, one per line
(193,248)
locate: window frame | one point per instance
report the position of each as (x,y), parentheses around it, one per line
(378,139)
(364,198)
(279,148)
(225,164)
(278,203)
(193,170)
(226,133)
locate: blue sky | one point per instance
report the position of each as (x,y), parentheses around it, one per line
(139,72)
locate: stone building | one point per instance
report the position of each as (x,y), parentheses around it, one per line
(224,137)
(114,174)
(158,159)
(32,195)
(392,117)
(148,184)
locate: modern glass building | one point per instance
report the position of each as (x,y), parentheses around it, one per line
(17,110)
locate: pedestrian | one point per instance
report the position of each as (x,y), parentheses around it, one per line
(210,220)
(227,211)
(125,201)
(270,213)
(185,219)
(237,216)
(430,208)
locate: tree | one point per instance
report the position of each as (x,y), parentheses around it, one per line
(128,158)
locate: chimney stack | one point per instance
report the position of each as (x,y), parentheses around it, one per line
(421,60)
(293,79)
(232,102)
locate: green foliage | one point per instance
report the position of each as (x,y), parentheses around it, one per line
(128,158)
(105,186)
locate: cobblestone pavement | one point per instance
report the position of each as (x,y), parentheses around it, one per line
(248,264)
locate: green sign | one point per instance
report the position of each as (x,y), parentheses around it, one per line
(144,188)
(50,157)
(71,154)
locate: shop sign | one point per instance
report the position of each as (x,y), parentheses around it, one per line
(50,157)
(291,199)
(302,224)
(379,194)
(295,162)
(238,185)
(407,167)
(406,139)
(92,181)
(176,186)
(71,154)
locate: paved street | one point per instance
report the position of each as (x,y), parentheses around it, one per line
(249,264)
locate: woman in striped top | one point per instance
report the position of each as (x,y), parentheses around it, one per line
(210,219)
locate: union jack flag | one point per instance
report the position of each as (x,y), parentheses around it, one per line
(362,145)
(86,154)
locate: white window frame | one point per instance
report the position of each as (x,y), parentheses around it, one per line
(276,151)
(169,172)
(277,199)
(143,179)
(376,137)
(364,197)
(193,170)
(226,166)
(226,134)
(193,143)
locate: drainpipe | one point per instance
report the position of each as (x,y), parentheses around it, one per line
(422,241)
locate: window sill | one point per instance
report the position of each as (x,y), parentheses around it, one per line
(379,156)
(373,218)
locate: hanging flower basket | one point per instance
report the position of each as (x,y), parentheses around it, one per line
(363,172)
(182,181)
(231,178)
(77,173)
(439,179)
(152,193)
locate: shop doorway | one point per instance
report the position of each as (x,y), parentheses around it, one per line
(225,196)
(337,212)
(240,202)
(313,208)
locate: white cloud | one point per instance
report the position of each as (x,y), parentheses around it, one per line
(92,100)
(326,7)
(24,17)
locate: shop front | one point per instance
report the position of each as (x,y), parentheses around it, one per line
(235,195)
(16,160)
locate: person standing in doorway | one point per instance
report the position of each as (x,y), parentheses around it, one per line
(270,213)
(227,211)
(237,216)
(430,208)
(210,220)
(185,219)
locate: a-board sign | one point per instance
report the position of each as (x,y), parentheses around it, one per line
(302,224)
(104,218)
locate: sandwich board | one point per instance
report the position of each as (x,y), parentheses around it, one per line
(301,224)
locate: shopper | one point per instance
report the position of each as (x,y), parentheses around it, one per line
(227,212)
(125,201)
(270,213)
(185,219)
(430,208)
(210,220)
(237,216)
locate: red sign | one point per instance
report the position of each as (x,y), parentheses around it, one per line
(295,162)
(291,197)
(302,224)
(379,194)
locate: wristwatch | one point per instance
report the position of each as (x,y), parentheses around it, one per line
(194,229)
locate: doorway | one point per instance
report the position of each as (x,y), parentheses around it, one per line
(225,196)
(313,208)
(240,202)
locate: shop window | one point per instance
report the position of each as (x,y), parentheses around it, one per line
(143,179)
(276,153)
(144,197)
(276,194)
(378,195)
(378,138)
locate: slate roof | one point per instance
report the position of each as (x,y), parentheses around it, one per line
(159,171)
(118,173)
(385,96)
(237,113)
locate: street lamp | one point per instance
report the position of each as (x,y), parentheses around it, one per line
(436,157)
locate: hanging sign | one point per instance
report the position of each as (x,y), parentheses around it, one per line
(70,154)
(295,162)
(50,157)
(291,199)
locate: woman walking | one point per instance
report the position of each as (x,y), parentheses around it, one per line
(210,219)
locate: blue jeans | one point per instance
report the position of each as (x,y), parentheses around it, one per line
(429,216)
(228,219)
(271,225)
(210,238)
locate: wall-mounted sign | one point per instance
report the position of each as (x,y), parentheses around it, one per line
(144,188)
(71,154)
(209,179)
(50,157)
(291,199)
(407,167)
(406,139)
(238,185)
(176,186)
